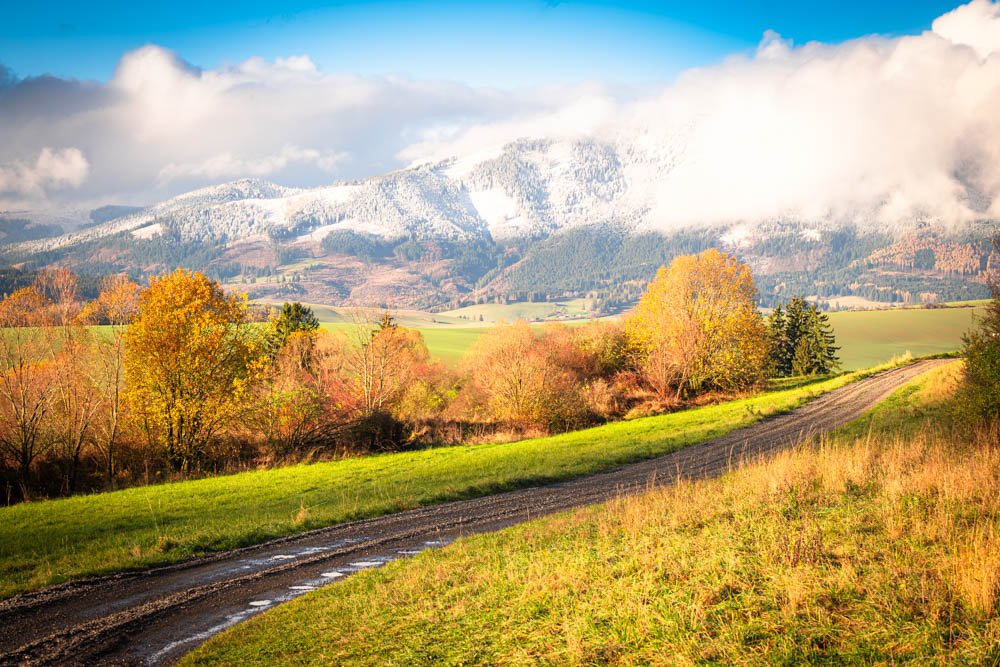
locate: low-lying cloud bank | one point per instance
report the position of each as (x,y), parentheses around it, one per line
(885,129)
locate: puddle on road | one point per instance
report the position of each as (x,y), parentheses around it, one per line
(291,592)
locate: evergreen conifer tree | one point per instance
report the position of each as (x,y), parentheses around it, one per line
(803,360)
(803,341)
(293,318)
(823,345)
(779,341)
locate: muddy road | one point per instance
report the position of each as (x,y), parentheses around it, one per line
(157,616)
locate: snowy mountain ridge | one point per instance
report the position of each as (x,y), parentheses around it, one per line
(530,189)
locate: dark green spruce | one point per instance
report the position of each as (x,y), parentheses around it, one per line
(803,340)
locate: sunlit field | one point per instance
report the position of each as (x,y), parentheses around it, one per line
(871,337)
(866,337)
(47,542)
(877,544)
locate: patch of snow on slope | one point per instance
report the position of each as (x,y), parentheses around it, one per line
(318,234)
(740,236)
(494,206)
(459,168)
(148,232)
(337,194)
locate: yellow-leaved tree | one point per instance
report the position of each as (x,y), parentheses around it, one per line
(697,327)
(192,357)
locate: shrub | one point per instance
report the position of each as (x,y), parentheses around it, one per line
(979,397)
(526,380)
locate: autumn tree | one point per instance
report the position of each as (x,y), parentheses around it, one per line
(117,304)
(304,405)
(77,402)
(524,379)
(380,356)
(605,345)
(697,327)
(192,357)
(26,383)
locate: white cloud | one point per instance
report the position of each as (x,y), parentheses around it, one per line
(162,126)
(51,170)
(877,129)
(227,165)
(976,24)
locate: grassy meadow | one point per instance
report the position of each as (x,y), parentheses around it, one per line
(47,542)
(878,544)
(491,313)
(866,337)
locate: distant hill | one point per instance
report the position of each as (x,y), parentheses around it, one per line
(530,221)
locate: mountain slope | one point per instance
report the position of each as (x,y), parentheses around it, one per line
(540,218)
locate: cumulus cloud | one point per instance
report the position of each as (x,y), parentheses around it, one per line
(161,126)
(227,165)
(51,170)
(976,25)
(875,129)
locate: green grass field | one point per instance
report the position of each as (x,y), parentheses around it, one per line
(879,545)
(492,312)
(866,337)
(871,337)
(47,542)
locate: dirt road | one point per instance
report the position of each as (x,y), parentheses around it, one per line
(157,616)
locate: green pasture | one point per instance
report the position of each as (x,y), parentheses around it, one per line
(530,311)
(868,337)
(859,550)
(47,542)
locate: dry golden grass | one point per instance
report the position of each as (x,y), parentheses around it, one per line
(879,544)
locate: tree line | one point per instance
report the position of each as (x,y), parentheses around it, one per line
(181,380)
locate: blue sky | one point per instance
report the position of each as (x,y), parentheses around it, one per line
(502,44)
(860,105)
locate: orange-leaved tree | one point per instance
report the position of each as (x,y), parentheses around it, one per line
(26,382)
(526,379)
(116,305)
(697,327)
(77,401)
(192,358)
(382,358)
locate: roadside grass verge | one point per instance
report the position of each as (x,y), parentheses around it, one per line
(47,542)
(877,544)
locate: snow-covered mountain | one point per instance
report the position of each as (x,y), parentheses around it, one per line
(527,188)
(524,189)
(532,218)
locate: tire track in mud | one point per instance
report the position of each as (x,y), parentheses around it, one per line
(156,616)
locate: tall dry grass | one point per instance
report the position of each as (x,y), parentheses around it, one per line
(879,544)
